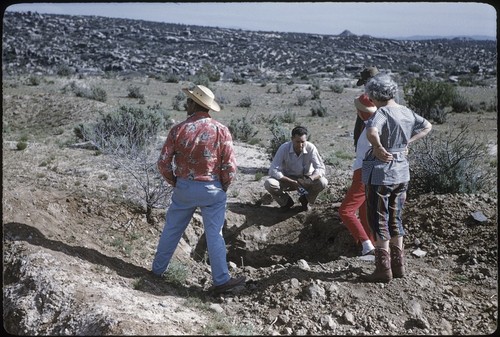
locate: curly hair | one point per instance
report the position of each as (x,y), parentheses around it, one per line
(381,87)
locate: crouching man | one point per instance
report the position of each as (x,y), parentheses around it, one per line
(296,166)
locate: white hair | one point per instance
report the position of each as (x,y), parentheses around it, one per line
(381,87)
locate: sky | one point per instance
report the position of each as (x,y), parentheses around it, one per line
(378,19)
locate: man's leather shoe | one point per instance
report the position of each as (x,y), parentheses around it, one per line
(304,202)
(232,283)
(288,205)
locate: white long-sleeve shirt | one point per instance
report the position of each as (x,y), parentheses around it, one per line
(362,147)
(287,163)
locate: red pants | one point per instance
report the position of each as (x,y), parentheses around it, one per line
(355,201)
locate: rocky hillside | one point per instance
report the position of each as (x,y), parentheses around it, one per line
(43,43)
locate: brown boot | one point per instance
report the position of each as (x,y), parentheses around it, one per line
(382,271)
(397,261)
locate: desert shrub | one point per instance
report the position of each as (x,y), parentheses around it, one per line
(318,110)
(241,129)
(460,104)
(21,145)
(94,92)
(177,100)
(429,99)
(438,114)
(280,136)
(129,136)
(337,88)
(287,116)
(222,100)
(414,68)
(64,70)
(209,71)
(80,91)
(238,79)
(34,80)
(301,99)
(452,161)
(331,159)
(338,158)
(134,91)
(315,89)
(125,130)
(98,94)
(201,79)
(171,78)
(245,102)
(176,273)
(258,176)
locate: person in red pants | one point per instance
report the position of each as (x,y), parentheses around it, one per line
(354,200)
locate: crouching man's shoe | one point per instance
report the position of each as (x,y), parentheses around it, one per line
(288,204)
(304,202)
(232,283)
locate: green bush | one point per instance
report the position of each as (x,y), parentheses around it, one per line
(337,88)
(98,94)
(210,71)
(451,162)
(238,79)
(34,80)
(318,110)
(134,91)
(176,273)
(288,116)
(280,136)
(301,99)
(245,102)
(200,79)
(460,104)
(95,93)
(241,129)
(171,78)
(177,99)
(21,145)
(429,99)
(64,70)
(127,129)
(315,89)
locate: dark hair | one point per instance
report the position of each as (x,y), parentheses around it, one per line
(299,131)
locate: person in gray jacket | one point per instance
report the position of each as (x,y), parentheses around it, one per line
(386,173)
(296,166)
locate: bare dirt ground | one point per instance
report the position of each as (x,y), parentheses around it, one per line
(77,251)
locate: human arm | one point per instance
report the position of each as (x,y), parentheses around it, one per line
(228,161)
(378,150)
(318,167)
(165,162)
(281,170)
(427,128)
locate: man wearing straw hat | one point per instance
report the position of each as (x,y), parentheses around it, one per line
(198,160)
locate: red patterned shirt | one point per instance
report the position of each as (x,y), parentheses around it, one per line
(200,148)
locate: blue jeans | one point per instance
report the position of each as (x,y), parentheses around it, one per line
(188,195)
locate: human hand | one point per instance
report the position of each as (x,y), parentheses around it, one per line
(305,181)
(382,154)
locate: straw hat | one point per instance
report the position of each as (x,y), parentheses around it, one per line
(203,96)
(366,74)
